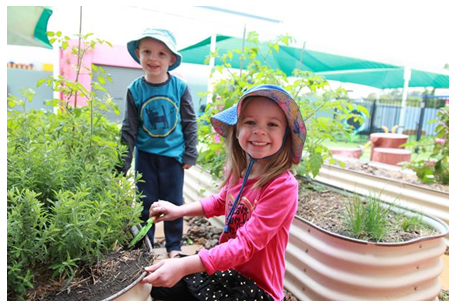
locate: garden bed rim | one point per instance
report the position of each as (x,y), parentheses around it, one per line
(386,178)
(126,289)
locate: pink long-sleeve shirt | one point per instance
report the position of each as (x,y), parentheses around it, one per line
(259,231)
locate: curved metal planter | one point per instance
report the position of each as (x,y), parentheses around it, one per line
(414,197)
(321,265)
(136,291)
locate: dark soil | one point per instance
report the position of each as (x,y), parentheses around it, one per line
(115,272)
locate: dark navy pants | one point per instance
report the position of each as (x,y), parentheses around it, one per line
(163,180)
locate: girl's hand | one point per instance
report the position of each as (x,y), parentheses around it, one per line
(165,273)
(164,211)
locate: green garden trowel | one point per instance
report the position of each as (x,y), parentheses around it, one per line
(143,231)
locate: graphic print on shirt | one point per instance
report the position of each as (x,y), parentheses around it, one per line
(242,213)
(159,116)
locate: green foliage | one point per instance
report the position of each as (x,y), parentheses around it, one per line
(411,223)
(367,220)
(312,93)
(67,206)
(26,238)
(437,167)
(371,219)
(356,215)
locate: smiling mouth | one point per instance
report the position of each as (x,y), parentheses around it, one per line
(259,143)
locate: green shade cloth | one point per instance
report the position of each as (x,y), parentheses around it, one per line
(331,66)
(27,26)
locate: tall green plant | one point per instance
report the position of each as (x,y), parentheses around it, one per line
(312,93)
(66,205)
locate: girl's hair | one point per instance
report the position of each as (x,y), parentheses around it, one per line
(237,160)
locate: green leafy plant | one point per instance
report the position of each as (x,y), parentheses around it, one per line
(67,206)
(312,93)
(437,167)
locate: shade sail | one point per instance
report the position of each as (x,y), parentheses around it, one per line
(27,26)
(389,78)
(331,66)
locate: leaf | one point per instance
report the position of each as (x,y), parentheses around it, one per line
(315,163)
(40,82)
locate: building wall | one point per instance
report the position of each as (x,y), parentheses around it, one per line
(118,63)
(18,79)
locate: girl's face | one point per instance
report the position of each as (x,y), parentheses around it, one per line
(155,58)
(261,127)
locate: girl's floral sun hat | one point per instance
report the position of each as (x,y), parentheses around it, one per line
(164,36)
(296,124)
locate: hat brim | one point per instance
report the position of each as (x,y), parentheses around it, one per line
(222,120)
(133,45)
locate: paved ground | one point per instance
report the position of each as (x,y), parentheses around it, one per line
(162,252)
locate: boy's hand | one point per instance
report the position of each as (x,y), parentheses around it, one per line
(164,210)
(186,166)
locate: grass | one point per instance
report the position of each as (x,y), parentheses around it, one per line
(367,219)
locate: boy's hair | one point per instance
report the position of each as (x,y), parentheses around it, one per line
(237,160)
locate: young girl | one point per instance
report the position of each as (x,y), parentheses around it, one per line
(265,136)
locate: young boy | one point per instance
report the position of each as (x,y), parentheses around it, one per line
(161,123)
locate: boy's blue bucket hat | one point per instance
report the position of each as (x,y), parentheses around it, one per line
(296,124)
(164,36)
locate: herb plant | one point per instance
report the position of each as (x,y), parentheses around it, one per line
(66,204)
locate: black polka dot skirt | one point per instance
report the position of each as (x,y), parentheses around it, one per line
(224,286)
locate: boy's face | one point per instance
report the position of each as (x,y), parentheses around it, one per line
(261,127)
(155,58)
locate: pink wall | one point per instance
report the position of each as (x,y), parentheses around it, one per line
(117,56)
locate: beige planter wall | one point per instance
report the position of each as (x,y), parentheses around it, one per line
(324,266)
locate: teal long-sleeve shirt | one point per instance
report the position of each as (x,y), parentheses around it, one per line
(160,119)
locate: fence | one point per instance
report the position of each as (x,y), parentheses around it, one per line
(387,113)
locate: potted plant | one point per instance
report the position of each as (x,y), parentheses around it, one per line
(66,205)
